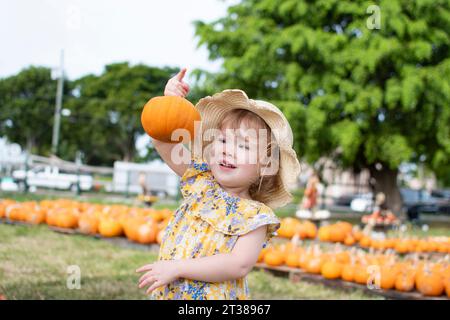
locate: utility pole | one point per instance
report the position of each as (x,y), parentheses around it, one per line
(58,106)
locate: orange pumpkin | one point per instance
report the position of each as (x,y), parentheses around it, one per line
(146,232)
(274,258)
(404,282)
(160,236)
(447,286)
(361,275)
(314,264)
(337,233)
(310,229)
(365,242)
(109,227)
(349,240)
(35,216)
(324,233)
(161,116)
(292,259)
(430,283)
(88,224)
(331,270)
(348,272)
(387,278)
(66,218)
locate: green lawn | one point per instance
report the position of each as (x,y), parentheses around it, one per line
(34,262)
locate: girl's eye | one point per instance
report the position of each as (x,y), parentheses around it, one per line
(222,140)
(244,146)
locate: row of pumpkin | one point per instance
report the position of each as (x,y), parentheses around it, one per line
(142,225)
(346,233)
(387,271)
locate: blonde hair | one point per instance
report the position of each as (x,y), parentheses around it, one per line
(266,185)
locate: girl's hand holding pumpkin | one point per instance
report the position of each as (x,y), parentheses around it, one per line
(176,86)
(158,274)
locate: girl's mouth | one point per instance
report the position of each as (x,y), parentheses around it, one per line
(226,165)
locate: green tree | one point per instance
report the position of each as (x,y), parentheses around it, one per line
(27,106)
(367,98)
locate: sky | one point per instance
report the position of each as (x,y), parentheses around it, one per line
(94,33)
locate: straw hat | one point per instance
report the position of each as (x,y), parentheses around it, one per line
(213,110)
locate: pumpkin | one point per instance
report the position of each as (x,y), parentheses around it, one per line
(447,286)
(274,258)
(88,224)
(51,216)
(324,233)
(292,259)
(365,242)
(404,282)
(314,264)
(349,240)
(331,270)
(430,283)
(348,272)
(66,218)
(387,277)
(343,257)
(161,116)
(15,212)
(160,236)
(402,246)
(337,233)
(310,229)
(304,259)
(35,216)
(109,227)
(146,232)
(361,275)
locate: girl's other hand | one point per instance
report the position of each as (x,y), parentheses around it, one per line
(158,274)
(176,86)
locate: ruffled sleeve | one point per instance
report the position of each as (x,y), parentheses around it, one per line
(234,216)
(194,175)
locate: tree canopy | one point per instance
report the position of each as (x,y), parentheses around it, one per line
(366,97)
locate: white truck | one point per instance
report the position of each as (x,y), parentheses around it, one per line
(51,177)
(158,178)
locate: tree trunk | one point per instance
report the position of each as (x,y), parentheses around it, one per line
(385,180)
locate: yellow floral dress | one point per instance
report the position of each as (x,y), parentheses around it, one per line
(208,222)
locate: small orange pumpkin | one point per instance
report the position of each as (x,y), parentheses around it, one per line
(387,278)
(109,227)
(274,258)
(348,272)
(404,282)
(161,116)
(88,224)
(430,283)
(331,270)
(292,259)
(361,275)
(146,232)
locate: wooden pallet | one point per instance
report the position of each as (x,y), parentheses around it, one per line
(296,275)
(435,255)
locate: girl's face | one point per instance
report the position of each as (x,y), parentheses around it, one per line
(233,157)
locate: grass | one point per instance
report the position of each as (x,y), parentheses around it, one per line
(34,264)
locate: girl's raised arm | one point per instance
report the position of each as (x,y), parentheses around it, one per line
(174,87)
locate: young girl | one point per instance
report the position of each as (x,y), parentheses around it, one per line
(214,238)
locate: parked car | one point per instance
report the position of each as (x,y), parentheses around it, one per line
(51,177)
(414,202)
(8,184)
(362,202)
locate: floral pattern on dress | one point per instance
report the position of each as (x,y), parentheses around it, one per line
(208,222)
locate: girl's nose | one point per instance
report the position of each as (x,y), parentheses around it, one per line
(228,149)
